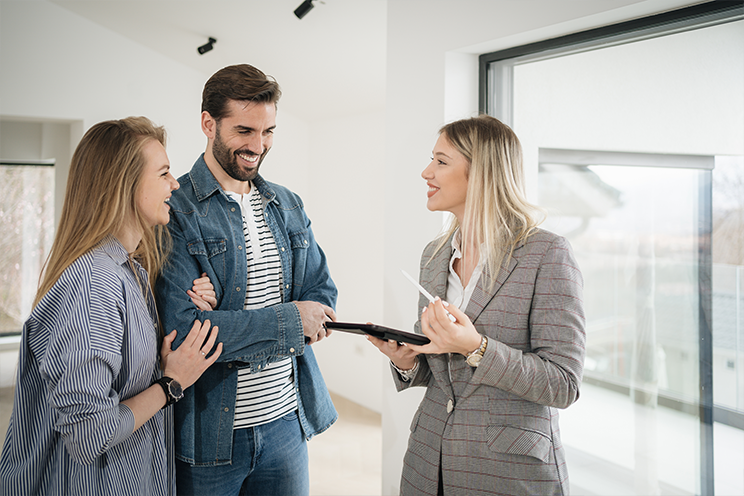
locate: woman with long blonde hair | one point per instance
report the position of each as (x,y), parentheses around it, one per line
(89,413)
(506,330)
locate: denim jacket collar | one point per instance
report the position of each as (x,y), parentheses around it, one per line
(205,184)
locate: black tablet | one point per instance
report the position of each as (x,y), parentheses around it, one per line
(378,332)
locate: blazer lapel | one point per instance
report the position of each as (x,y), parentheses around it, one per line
(482,296)
(434,280)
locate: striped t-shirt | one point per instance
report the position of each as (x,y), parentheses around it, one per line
(268,394)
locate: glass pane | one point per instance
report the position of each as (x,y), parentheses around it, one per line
(728,320)
(635,429)
(728,282)
(27,224)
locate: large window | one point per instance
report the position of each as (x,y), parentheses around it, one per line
(634,142)
(27,224)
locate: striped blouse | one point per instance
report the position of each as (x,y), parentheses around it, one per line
(89,344)
(265,395)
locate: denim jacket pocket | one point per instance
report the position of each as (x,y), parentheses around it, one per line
(299,242)
(299,239)
(207,247)
(516,441)
(211,253)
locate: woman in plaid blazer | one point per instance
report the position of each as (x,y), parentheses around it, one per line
(514,354)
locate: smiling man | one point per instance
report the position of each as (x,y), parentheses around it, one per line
(243,427)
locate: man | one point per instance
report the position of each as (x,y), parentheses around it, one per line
(242,428)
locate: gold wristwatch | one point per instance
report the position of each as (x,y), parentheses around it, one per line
(473,359)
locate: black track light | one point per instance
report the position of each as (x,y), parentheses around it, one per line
(207,46)
(304,8)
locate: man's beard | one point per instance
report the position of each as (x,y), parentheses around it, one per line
(229,162)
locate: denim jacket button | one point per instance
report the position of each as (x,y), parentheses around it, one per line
(291,350)
(282,248)
(229,365)
(227,409)
(237,289)
(240,247)
(232,209)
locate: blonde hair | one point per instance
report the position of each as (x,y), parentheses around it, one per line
(497,213)
(105,174)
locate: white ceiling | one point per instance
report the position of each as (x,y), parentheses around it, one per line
(330,63)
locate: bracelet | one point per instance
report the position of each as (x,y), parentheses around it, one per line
(406,375)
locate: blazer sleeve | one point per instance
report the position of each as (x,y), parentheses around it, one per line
(421,378)
(550,372)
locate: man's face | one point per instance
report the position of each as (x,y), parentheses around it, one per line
(243,138)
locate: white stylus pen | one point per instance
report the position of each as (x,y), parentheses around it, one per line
(425,293)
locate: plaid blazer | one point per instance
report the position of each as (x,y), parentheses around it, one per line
(494,428)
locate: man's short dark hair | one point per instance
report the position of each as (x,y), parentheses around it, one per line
(241,82)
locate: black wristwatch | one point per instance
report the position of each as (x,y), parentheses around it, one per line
(171,387)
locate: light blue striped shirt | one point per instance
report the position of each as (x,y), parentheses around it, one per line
(89,344)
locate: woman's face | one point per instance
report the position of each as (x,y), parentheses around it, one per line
(156,185)
(446,177)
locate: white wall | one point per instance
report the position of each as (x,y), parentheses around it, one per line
(347,184)
(59,66)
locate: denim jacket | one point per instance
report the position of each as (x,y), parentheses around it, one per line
(207,230)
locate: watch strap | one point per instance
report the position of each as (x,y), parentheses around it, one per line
(164,382)
(473,358)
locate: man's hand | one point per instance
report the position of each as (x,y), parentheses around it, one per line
(313,316)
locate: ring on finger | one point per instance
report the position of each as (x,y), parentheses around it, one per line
(203,354)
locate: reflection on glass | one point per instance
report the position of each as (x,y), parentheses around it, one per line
(635,234)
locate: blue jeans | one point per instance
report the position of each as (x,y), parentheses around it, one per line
(269,459)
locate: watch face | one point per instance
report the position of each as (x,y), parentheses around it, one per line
(474,360)
(175,389)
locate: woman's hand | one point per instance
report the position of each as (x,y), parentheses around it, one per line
(447,336)
(400,354)
(202,294)
(190,360)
